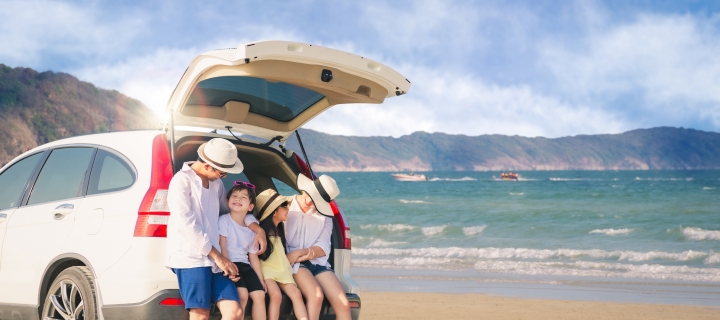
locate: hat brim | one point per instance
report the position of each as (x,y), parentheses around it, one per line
(236,168)
(274,205)
(305,184)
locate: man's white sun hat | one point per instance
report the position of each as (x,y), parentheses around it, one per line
(221,155)
(321,190)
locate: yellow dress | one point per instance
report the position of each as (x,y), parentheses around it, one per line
(277,266)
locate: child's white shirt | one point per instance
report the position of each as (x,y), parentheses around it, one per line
(239,238)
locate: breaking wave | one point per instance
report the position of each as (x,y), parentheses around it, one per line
(612,232)
(413,201)
(388,227)
(468,231)
(698,234)
(428,231)
(453,179)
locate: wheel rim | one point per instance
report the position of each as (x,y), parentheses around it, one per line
(66,303)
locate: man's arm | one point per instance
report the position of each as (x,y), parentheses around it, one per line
(228,267)
(184,220)
(260,241)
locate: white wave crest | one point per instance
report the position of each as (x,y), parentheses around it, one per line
(612,232)
(698,234)
(663,179)
(563,268)
(517,193)
(568,179)
(708,188)
(413,201)
(468,231)
(380,243)
(713,259)
(428,231)
(388,227)
(453,179)
(534,254)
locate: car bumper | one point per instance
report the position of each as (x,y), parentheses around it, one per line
(149,309)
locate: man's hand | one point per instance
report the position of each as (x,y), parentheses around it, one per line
(228,267)
(260,242)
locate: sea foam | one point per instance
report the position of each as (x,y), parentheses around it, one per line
(428,231)
(612,232)
(532,254)
(380,243)
(453,179)
(413,201)
(388,227)
(698,234)
(468,231)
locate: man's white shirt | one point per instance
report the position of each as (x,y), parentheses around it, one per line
(192,228)
(305,230)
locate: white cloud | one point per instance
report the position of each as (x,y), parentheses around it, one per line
(31,29)
(151,78)
(464,104)
(671,62)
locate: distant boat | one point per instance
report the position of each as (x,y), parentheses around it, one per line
(409,177)
(508,177)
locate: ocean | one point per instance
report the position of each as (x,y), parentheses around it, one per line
(465,232)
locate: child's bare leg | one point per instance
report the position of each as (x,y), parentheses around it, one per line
(258,307)
(311,291)
(273,312)
(243,293)
(292,291)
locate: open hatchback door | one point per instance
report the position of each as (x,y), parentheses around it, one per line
(271,88)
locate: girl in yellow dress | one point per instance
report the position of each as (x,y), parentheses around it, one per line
(276,268)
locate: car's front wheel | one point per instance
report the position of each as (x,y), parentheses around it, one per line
(71,296)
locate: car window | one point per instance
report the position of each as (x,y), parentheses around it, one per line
(110,173)
(14,179)
(62,175)
(277,100)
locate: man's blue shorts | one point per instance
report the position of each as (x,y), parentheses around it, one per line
(199,287)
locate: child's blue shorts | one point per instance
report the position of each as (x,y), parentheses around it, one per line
(199,287)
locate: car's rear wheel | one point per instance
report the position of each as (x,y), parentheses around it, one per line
(71,296)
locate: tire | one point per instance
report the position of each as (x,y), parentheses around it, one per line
(71,296)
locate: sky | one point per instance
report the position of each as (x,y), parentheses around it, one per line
(529,68)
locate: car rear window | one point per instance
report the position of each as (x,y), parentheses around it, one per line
(277,100)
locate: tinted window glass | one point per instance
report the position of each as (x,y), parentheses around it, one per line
(283,188)
(62,176)
(14,179)
(278,100)
(231,178)
(110,173)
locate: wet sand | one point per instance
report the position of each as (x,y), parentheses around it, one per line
(416,305)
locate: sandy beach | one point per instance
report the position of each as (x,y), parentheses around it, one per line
(413,305)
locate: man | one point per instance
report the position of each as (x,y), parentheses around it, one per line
(195,197)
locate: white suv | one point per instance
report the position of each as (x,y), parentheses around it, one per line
(83,220)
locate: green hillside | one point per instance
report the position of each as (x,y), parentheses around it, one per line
(39,107)
(642,149)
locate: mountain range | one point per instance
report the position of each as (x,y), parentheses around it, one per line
(39,107)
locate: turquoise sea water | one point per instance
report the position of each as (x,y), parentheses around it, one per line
(609,226)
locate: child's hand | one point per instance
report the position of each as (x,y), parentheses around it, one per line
(264,286)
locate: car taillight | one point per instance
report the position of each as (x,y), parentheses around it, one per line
(345,242)
(153,213)
(172,302)
(344,228)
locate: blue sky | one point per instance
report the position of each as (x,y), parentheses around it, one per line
(529,68)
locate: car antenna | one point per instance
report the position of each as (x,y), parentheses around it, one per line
(307,161)
(228,128)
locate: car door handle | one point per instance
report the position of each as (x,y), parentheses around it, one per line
(3,216)
(62,210)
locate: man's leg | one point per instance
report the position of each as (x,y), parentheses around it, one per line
(226,297)
(195,291)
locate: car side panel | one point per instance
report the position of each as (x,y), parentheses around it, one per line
(138,275)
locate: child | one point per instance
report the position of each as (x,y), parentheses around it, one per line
(236,244)
(275,265)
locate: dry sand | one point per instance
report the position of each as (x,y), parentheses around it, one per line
(403,305)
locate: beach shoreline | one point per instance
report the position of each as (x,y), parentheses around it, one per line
(423,305)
